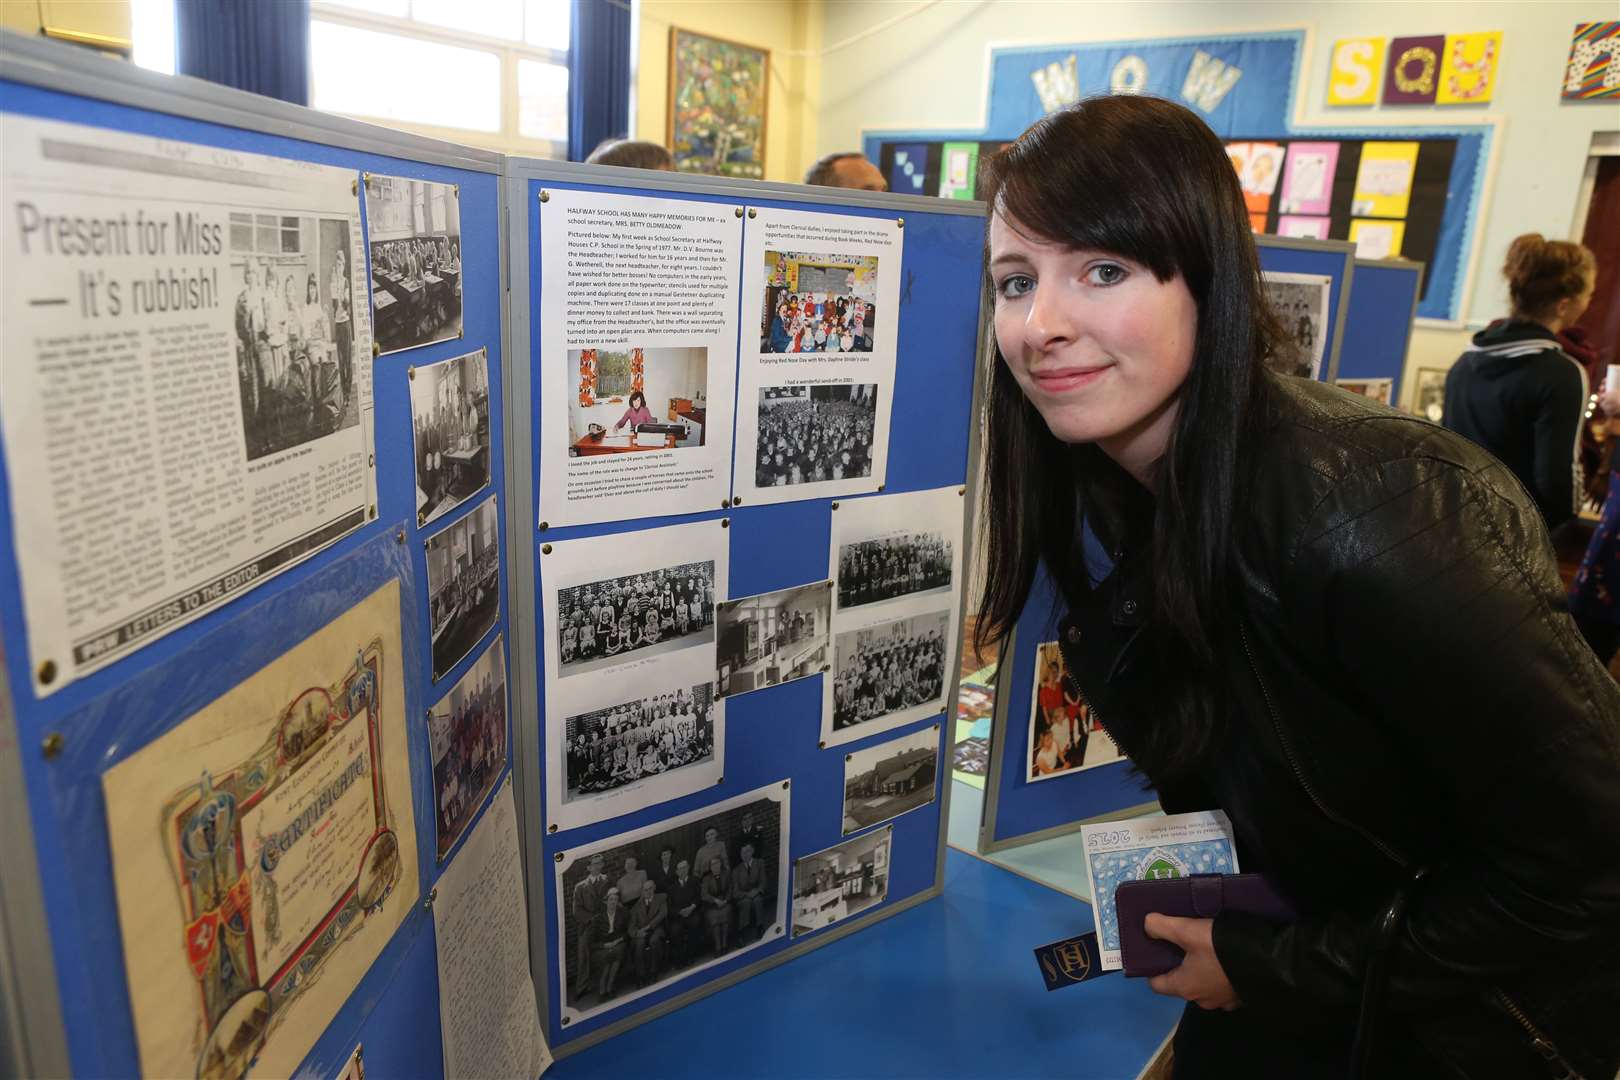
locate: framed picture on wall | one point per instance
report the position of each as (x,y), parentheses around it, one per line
(717,95)
(1429,393)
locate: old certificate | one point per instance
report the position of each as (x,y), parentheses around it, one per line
(264,852)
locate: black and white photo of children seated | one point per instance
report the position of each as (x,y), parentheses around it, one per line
(619,745)
(882,569)
(464,574)
(415,229)
(467,733)
(887,668)
(293,333)
(811,434)
(818,303)
(450,413)
(604,622)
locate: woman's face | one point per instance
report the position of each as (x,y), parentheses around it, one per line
(1098,344)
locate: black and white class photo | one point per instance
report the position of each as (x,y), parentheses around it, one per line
(415,232)
(844,880)
(883,669)
(888,567)
(637,739)
(294,320)
(884,781)
(450,420)
(464,577)
(773,638)
(818,303)
(639,913)
(602,623)
(1300,302)
(811,434)
(467,734)
(634,399)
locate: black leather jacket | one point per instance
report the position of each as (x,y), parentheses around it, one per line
(1406,689)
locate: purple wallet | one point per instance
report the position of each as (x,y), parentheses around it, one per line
(1198,896)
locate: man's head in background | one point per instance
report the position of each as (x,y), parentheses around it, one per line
(847,170)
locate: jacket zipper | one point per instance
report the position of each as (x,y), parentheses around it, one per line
(1543,1045)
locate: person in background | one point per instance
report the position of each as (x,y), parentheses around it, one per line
(715,892)
(1516,392)
(587,902)
(846,170)
(609,931)
(1593,599)
(631,154)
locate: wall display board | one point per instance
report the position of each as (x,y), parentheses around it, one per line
(1299,181)
(1378,326)
(680,619)
(228,777)
(1309,285)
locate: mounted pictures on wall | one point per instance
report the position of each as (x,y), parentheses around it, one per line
(1428,69)
(414,227)
(718,91)
(1593,71)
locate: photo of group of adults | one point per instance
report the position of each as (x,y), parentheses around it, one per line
(294,329)
(810,434)
(450,418)
(841,881)
(464,576)
(641,910)
(818,303)
(888,668)
(884,781)
(467,734)
(638,739)
(604,622)
(1063,735)
(889,567)
(1300,303)
(415,232)
(773,638)
(634,399)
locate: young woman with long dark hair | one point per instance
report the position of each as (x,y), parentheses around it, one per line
(1341,625)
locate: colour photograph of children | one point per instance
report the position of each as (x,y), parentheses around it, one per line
(818,303)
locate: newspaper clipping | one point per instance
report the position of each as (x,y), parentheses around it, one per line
(187,404)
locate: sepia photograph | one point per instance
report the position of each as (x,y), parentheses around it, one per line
(1063,735)
(1300,302)
(464,577)
(638,911)
(602,623)
(1380,390)
(818,303)
(294,329)
(619,746)
(887,668)
(810,434)
(415,232)
(773,638)
(450,419)
(1429,393)
(467,734)
(638,399)
(843,880)
(884,781)
(907,564)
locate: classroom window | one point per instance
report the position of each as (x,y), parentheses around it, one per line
(612,374)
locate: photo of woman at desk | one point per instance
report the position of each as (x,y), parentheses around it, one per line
(631,400)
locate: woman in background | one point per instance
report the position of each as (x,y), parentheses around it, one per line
(1516,392)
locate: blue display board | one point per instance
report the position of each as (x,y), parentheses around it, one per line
(98,721)
(772,735)
(1379,327)
(1330,258)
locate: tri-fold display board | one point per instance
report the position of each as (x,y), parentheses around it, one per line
(407,549)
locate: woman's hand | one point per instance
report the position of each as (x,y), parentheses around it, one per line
(1200,979)
(1609,402)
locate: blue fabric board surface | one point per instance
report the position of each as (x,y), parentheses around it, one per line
(947,989)
(1310,261)
(1379,325)
(184,670)
(1024,806)
(773,734)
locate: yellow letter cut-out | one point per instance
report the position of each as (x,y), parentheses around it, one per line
(1468,69)
(1357,63)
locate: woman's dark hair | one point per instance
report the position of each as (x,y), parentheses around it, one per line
(1144,179)
(1541,272)
(631,154)
(637,394)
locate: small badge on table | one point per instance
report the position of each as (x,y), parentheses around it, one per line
(1070,961)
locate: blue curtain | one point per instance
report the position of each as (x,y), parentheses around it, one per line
(598,74)
(256,45)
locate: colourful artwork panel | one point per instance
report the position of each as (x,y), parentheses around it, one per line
(1468,68)
(1413,76)
(717,96)
(1358,65)
(1593,72)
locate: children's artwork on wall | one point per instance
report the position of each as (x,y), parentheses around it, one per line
(908,173)
(1308,177)
(1593,72)
(1259,178)
(1468,68)
(1356,67)
(1377,239)
(717,95)
(1304,228)
(1384,179)
(1413,75)
(960,173)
